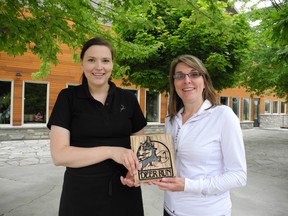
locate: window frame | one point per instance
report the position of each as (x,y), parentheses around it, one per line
(159,108)
(228,102)
(273,106)
(11,101)
(249,109)
(47,103)
(265,110)
(238,108)
(284,106)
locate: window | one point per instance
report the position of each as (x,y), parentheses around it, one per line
(224,100)
(152,106)
(275,107)
(246,109)
(5,102)
(256,108)
(267,106)
(35,102)
(282,107)
(235,105)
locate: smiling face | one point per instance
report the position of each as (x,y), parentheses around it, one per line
(189,89)
(97,64)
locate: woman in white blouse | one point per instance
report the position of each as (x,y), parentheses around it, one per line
(208,142)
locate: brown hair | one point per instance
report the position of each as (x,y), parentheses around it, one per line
(209,93)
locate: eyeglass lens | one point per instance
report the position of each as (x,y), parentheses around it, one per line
(192,75)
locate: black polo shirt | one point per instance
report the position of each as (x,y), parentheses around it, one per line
(93,124)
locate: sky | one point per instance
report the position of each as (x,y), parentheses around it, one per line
(262,4)
(253,2)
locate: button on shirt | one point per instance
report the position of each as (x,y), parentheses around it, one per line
(210,155)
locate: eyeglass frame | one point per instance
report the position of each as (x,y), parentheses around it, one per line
(193,75)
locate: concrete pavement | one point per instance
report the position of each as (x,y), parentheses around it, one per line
(30,185)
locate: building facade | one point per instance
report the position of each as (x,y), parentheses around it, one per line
(265,111)
(25,103)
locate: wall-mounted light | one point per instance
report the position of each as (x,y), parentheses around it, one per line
(18,74)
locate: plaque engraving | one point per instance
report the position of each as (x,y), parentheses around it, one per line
(155,153)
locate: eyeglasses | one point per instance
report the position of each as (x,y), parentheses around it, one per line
(192,75)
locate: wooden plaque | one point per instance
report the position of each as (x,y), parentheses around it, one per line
(155,153)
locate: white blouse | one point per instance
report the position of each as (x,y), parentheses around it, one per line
(210,155)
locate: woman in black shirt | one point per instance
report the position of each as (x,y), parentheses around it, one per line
(90,127)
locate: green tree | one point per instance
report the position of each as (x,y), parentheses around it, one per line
(205,29)
(42,26)
(147,34)
(265,71)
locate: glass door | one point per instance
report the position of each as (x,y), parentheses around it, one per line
(256,111)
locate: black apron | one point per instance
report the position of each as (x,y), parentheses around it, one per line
(99,195)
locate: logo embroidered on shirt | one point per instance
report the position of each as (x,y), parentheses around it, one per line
(122,108)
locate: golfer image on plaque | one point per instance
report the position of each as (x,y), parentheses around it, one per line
(156,155)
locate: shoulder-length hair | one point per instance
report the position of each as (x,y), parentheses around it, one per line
(209,93)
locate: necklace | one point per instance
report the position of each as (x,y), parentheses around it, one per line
(176,140)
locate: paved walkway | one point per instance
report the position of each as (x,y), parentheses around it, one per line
(30,184)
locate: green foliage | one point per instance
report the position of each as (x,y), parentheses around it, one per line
(201,28)
(266,68)
(43,72)
(148,34)
(42,26)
